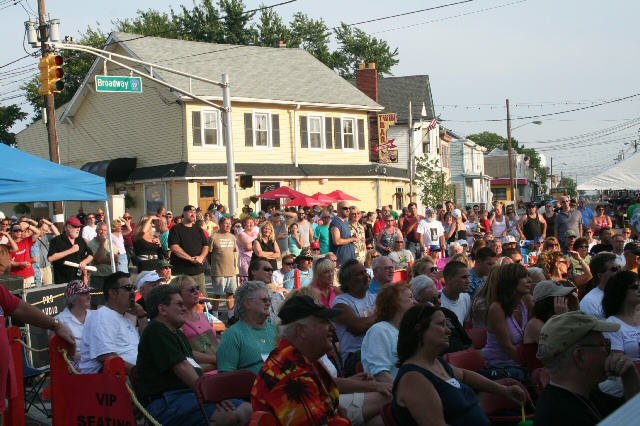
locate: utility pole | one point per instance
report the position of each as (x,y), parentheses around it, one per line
(49,115)
(511,180)
(551,175)
(411,167)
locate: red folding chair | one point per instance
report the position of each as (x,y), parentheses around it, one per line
(387,415)
(540,378)
(470,359)
(502,410)
(478,336)
(215,388)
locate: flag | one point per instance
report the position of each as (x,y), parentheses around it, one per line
(433,124)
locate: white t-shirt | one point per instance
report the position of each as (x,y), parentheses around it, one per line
(74,325)
(592,303)
(89,233)
(461,307)
(106,331)
(627,339)
(620,260)
(380,349)
(362,308)
(432,231)
(277,278)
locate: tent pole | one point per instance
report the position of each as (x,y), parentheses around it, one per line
(109,241)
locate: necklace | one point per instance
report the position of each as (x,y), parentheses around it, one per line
(590,406)
(261,334)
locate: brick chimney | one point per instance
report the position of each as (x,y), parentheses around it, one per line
(367,80)
(367,83)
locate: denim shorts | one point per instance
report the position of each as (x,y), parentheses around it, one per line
(180,407)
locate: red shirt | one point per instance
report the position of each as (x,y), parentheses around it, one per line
(379,226)
(23,254)
(8,302)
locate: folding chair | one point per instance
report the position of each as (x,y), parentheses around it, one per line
(502,410)
(478,336)
(34,380)
(216,388)
(387,415)
(470,359)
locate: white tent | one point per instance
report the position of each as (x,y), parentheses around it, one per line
(624,175)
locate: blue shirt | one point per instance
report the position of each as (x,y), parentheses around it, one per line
(587,216)
(346,251)
(374,287)
(288,280)
(476,283)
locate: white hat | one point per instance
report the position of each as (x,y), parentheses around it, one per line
(2,216)
(508,239)
(456,213)
(463,242)
(148,277)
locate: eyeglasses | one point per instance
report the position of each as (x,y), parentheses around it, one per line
(563,261)
(192,289)
(315,249)
(288,263)
(91,217)
(268,268)
(615,268)
(626,232)
(126,287)
(16,230)
(606,344)
(345,208)
(634,286)
(264,300)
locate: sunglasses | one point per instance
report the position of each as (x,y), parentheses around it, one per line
(264,300)
(345,208)
(91,217)
(615,268)
(315,249)
(288,263)
(268,269)
(127,287)
(16,230)
(192,289)
(433,269)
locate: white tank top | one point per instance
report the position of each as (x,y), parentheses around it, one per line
(498,228)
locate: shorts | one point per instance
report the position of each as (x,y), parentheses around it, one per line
(181,407)
(353,403)
(224,285)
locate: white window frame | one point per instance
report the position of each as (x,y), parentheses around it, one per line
(255,129)
(323,144)
(355,132)
(203,128)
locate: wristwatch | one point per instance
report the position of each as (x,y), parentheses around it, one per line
(56,321)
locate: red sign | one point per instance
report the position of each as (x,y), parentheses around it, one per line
(387,145)
(104,400)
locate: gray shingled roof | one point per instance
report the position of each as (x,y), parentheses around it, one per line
(184,169)
(283,74)
(394,94)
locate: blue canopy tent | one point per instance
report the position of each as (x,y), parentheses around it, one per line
(26,178)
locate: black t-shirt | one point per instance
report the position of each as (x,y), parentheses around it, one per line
(599,248)
(159,350)
(558,406)
(459,340)
(191,240)
(61,272)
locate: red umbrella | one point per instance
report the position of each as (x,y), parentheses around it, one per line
(339,195)
(305,201)
(283,192)
(323,197)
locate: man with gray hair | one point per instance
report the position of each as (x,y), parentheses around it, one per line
(306,328)
(578,357)
(383,271)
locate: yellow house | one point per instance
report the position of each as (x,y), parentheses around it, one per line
(295,122)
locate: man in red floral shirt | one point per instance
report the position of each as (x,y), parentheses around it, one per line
(293,384)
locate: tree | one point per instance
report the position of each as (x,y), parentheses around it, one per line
(491,140)
(313,36)
(570,184)
(9,115)
(357,47)
(151,22)
(435,186)
(271,29)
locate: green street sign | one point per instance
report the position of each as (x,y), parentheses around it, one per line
(109,83)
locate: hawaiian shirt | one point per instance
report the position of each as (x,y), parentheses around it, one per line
(296,390)
(357,230)
(476,283)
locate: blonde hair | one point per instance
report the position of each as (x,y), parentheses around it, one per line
(265,225)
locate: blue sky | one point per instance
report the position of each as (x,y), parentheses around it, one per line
(545,56)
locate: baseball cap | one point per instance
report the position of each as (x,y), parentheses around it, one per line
(456,213)
(633,248)
(538,240)
(200,298)
(169,212)
(77,287)
(164,263)
(305,254)
(299,307)
(188,207)
(562,331)
(570,233)
(463,242)
(254,215)
(148,277)
(74,221)
(429,210)
(315,245)
(549,288)
(532,205)
(508,239)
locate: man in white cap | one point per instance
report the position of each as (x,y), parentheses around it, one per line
(578,357)
(146,281)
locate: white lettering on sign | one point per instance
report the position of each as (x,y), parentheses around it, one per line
(114,84)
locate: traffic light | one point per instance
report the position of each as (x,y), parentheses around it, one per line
(51,74)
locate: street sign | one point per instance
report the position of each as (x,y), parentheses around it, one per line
(113,83)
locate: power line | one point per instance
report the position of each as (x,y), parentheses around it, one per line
(13,62)
(406,13)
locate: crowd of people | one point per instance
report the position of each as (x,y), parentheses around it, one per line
(340,314)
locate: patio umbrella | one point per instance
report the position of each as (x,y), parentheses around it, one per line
(342,196)
(324,197)
(305,201)
(283,192)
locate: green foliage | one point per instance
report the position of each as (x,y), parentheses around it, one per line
(129,201)
(491,140)
(358,47)
(147,23)
(434,186)
(8,117)
(570,184)
(21,209)
(271,29)
(313,36)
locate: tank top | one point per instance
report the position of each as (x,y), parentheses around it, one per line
(532,228)
(493,352)
(250,238)
(388,240)
(551,224)
(498,228)
(303,233)
(269,247)
(459,405)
